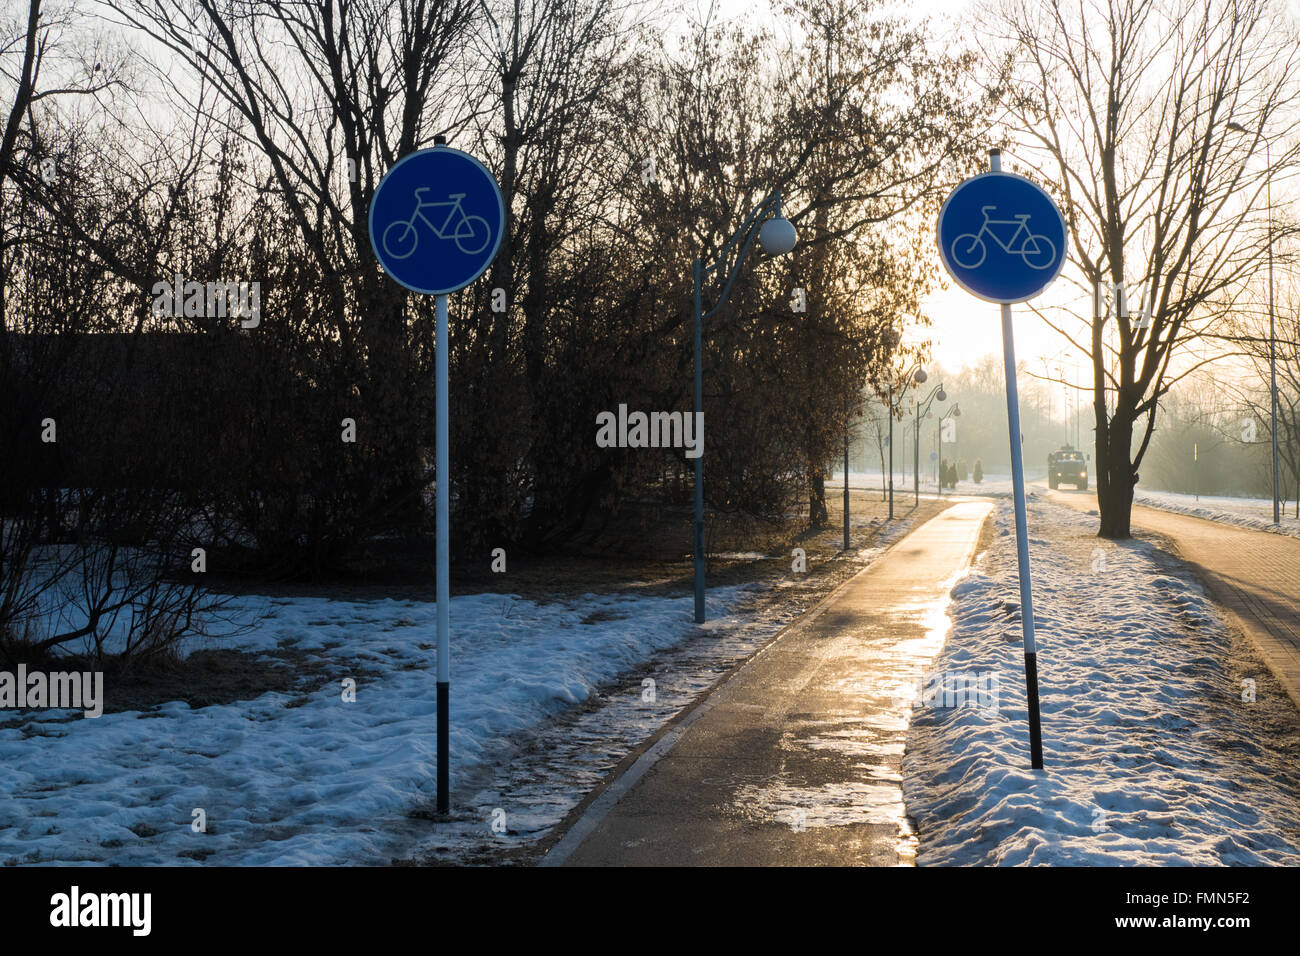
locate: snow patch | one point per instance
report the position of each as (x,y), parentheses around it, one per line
(1152,757)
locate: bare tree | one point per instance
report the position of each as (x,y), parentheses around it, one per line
(875,422)
(30,47)
(329,94)
(1249,331)
(1124,108)
(859,118)
(541,75)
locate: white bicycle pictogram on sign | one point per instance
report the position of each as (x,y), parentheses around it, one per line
(969,249)
(470,233)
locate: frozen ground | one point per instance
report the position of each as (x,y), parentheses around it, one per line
(545,699)
(1255,513)
(993,484)
(1154,753)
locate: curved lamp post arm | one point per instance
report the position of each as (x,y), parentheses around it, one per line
(907,383)
(749,231)
(924,405)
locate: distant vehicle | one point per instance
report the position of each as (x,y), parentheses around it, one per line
(1067,465)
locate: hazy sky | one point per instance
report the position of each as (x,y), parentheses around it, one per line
(964,328)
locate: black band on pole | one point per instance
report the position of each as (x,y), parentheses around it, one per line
(1035,728)
(444,712)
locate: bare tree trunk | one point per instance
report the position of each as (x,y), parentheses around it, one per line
(818,514)
(1115,479)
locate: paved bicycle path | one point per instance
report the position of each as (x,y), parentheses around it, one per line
(796,758)
(1253,575)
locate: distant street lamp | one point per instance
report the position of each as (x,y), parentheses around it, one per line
(915,376)
(922,409)
(777,236)
(1272,328)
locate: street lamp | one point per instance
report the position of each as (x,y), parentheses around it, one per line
(1272,328)
(922,408)
(777,236)
(915,376)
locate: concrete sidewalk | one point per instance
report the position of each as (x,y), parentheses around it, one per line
(1253,575)
(795,759)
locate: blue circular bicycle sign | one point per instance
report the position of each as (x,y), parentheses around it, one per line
(1001,237)
(437,220)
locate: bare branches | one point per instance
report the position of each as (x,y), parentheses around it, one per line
(1126,106)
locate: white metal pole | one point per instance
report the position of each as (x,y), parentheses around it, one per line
(1022,536)
(443,474)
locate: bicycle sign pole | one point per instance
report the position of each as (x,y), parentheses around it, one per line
(1006,258)
(436,223)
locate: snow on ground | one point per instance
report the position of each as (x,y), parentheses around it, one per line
(283,781)
(1152,755)
(307,778)
(992,484)
(1254,513)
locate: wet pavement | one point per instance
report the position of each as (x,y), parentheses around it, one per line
(795,760)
